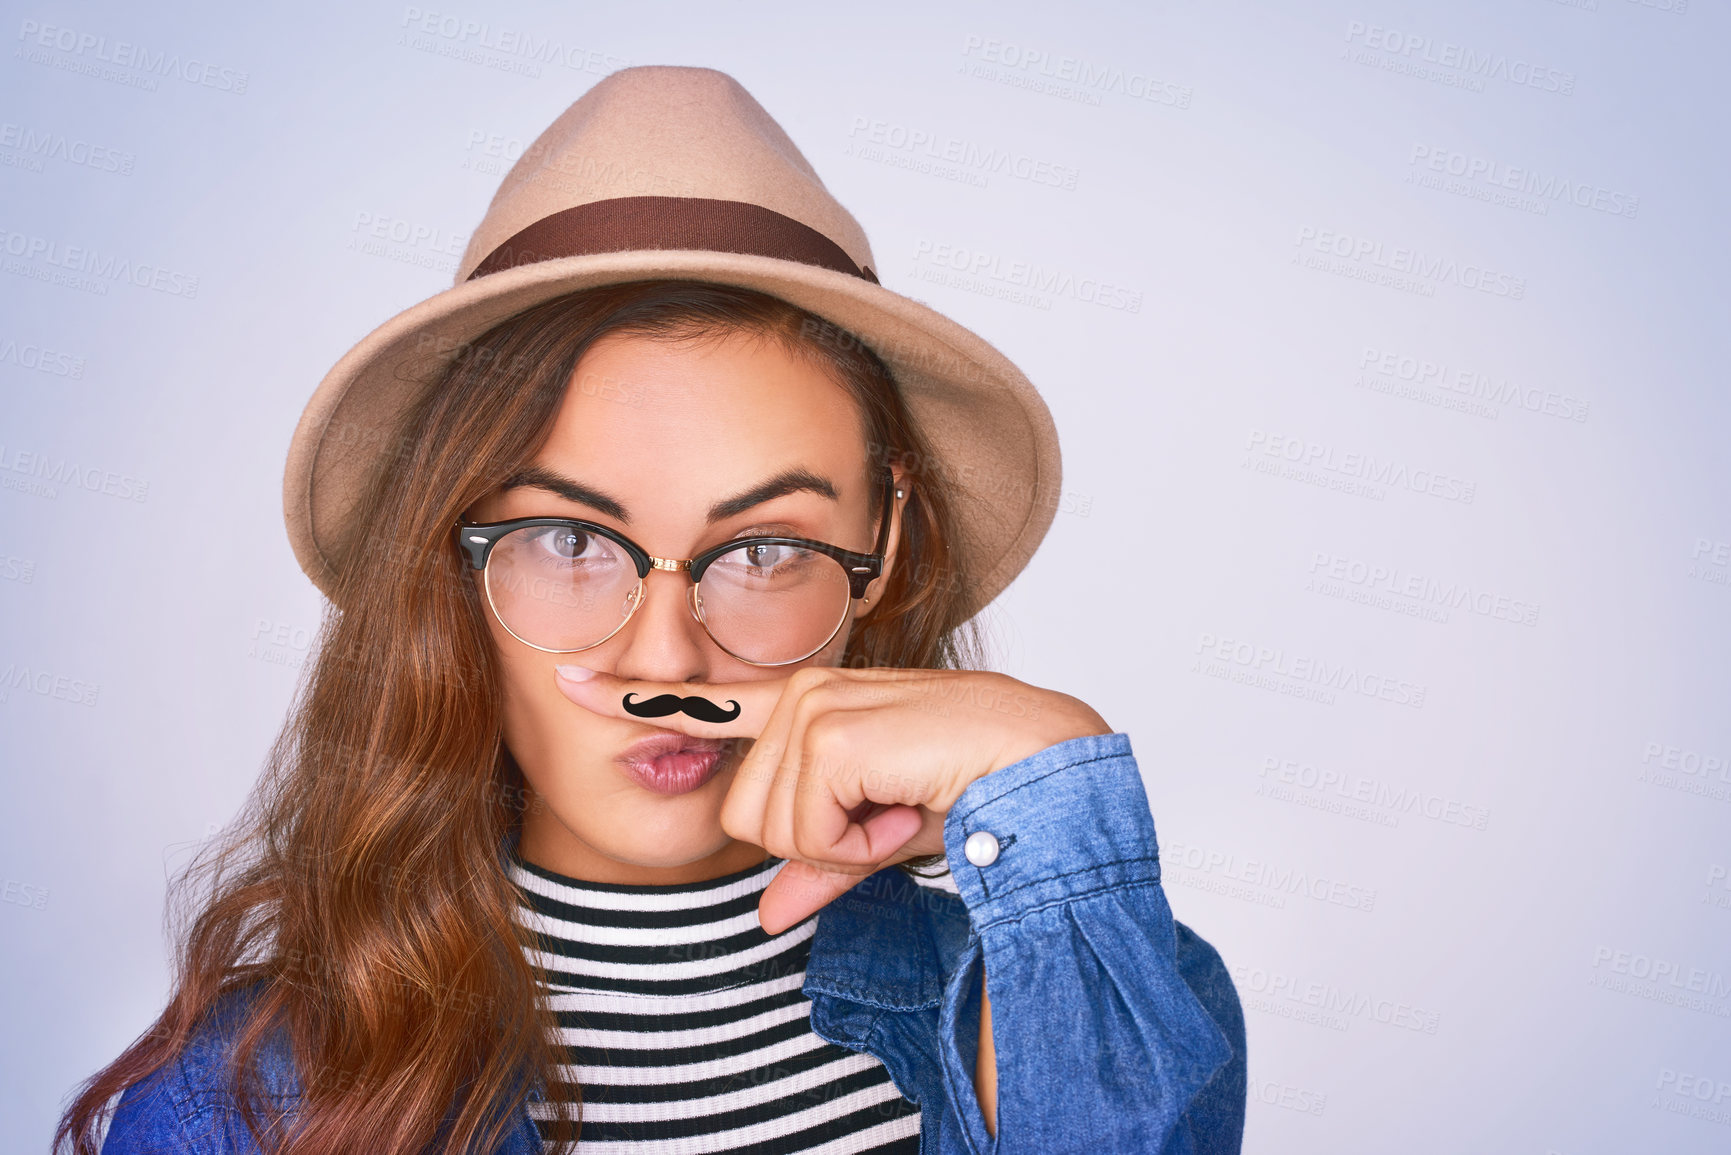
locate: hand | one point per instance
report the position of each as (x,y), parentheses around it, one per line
(849,771)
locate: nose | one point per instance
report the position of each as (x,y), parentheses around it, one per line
(661,642)
(692,598)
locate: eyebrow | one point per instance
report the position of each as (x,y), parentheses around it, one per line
(792,480)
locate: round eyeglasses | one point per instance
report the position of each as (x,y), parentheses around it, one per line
(562,585)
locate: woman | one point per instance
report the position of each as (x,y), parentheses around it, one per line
(642,710)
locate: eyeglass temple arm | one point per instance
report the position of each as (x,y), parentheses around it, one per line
(888,508)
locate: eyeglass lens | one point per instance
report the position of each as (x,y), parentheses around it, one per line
(560,588)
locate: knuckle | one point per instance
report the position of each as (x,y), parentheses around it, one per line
(807,712)
(826,743)
(779,846)
(823,730)
(808,678)
(804,847)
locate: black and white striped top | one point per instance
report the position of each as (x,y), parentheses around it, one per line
(684,1027)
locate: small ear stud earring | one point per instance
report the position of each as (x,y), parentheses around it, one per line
(900,494)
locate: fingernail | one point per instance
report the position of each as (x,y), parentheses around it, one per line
(574,673)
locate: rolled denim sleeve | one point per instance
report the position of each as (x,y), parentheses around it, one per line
(1101,1044)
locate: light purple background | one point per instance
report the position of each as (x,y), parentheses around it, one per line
(170,628)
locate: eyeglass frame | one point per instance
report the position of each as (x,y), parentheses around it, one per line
(477,539)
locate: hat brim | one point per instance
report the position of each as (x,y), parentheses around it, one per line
(984,420)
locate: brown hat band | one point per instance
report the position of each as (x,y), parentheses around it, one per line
(622,224)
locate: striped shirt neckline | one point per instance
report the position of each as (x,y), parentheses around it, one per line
(685,1027)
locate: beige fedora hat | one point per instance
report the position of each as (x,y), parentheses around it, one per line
(678,172)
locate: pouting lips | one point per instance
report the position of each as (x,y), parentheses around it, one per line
(657,745)
(675,764)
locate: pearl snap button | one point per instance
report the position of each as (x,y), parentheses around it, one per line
(981,848)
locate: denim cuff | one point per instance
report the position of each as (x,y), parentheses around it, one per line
(1069,820)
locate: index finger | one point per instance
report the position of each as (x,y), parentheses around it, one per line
(701,709)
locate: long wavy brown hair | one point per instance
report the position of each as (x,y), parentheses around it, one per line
(361,896)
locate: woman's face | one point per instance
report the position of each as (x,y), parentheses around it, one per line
(659,432)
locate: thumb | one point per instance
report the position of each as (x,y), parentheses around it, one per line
(800,889)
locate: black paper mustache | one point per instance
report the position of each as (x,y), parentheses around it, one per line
(697,706)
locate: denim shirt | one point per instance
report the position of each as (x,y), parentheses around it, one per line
(1114,1027)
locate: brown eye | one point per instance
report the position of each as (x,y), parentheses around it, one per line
(565,543)
(764,554)
(767,559)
